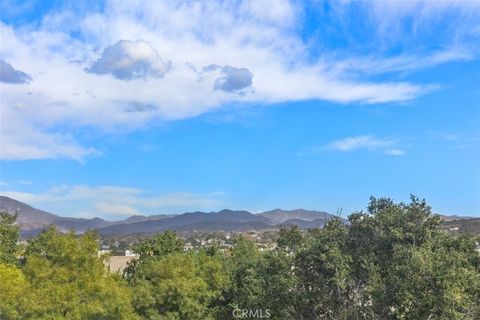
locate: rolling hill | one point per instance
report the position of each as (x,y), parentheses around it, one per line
(280,216)
(459,226)
(32,220)
(225,220)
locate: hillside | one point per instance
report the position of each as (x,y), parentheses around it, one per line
(225,220)
(28,217)
(279,216)
(32,220)
(460,226)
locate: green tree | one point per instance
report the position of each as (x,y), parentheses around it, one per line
(177,286)
(390,262)
(14,293)
(258,281)
(420,271)
(159,245)
(9,233)
(246,285)
(275,268)
(323,269)
(290,240)
(68,280)
(435,280)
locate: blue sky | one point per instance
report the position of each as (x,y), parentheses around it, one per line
(111,109)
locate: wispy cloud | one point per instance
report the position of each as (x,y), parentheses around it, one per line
(116,209)
(394,152)
(22,139)
(421,19)
(455,140)
(373,65)
(122,54)
(387,146)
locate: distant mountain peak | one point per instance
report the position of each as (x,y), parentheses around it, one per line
(32,220)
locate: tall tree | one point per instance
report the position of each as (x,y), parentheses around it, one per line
(69,281)
(390,262)
(168,283)
(290,240)
(9,233)
(14,293)
(259,282)
(159,245)
(323,268)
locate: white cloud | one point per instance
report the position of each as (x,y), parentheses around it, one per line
(17,146)
(116,209)
(366,142)
(277,12)
(115,201)
(359,142)
(21,139)
(424,17)
(455,140)
(127,60)
(135,106)
(132,41)
(230,79)
(10,75)
(394,152)
(371,65)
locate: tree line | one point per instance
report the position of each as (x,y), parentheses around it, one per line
(392,261)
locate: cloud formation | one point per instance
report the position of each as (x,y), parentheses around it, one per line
(28,143)
(128,60)
(366,142)
(116,209)
(252,47)
(10,75)
(232,79)
(135,106)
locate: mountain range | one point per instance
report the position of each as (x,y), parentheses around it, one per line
(32,220)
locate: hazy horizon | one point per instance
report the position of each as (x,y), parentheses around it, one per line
(339,212)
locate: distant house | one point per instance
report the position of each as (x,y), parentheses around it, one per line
(129,253)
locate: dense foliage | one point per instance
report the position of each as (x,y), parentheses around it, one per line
(392,261)
(9,233)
